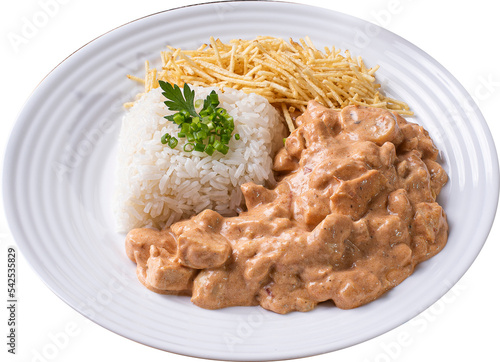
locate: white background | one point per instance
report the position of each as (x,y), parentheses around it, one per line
(461,35)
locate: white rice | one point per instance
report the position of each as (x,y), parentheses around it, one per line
(158,185)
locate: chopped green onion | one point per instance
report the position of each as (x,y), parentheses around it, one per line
(198,103)
(209,150)
(204,128)
(190,137)
(188,147)
(237,136)
(178,118)
(165,138)
(224,149)
(200,147)
(172,142)
(202,135)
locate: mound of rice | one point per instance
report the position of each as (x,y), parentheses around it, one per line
(158,186)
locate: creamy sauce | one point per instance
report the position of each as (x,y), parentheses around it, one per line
(353,213)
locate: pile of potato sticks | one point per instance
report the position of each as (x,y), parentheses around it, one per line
(288,74)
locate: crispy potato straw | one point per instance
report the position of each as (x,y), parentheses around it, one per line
(288,74)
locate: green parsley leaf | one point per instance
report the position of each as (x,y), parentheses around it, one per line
(176,100)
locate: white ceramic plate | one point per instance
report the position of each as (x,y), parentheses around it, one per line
(60,160)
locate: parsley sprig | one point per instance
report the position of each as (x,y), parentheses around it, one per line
(208,131)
